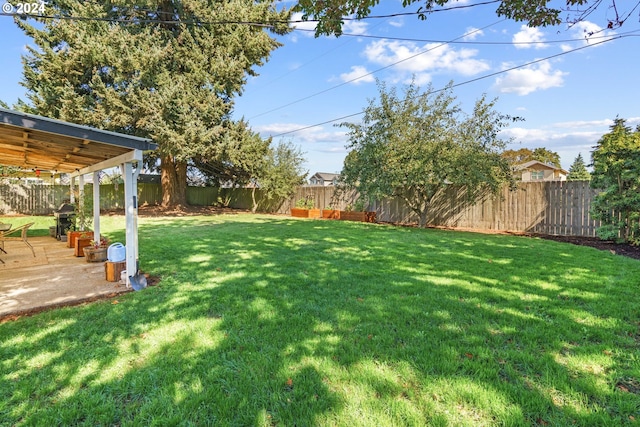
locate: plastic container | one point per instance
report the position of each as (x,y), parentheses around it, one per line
(116,252)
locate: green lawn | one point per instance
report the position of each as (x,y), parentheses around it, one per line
(267,320)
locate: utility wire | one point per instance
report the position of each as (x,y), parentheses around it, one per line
(315,58)
(463,83)
(372,72)
(260,24)
(472,42)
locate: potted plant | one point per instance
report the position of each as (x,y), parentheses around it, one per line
(82,240)
(82,229)
(73,236)
(96,251)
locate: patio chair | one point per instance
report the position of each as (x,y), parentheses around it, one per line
(11,235)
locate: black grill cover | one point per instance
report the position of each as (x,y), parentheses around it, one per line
(65,209)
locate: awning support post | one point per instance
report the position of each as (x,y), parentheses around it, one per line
(96,206)
(131,217)
(81,207)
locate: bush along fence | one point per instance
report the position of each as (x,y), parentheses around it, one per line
(560,208)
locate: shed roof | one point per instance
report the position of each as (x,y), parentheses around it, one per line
(35,142)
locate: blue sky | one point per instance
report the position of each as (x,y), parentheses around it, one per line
(567,101)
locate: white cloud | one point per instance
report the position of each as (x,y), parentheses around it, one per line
(529,37)
(567,143)
(534,136)
(524,81)
(357,75)
(585,130)
(431,58)
(302,133)
(568,139)
(600,124)
(565,47)
(587,29)
(472,33)
(308,27)
(581,124)
(420,79)
(590,33)
(355,27)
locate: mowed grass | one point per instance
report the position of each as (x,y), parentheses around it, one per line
(266,320)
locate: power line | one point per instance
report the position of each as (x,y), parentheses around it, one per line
(441,43)
(372,72)
(315,58)
(256,23)
(465,82)
(472,42)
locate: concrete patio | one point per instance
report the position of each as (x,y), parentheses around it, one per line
(53,278)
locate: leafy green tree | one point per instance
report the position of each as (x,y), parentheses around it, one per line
(523,155)
(578,170)
(236,157)
(549,157)
(330,14)
(616,171)
(519,156)
(279,176)
(412,147)
(164,69)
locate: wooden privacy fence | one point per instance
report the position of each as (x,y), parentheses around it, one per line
(561,208)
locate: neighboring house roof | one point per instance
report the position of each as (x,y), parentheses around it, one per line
(535,164)
(326,176)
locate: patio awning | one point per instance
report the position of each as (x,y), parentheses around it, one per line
(34,142)
(40,143)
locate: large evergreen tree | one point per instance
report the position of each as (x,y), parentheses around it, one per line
(616,171)
(164,69)
(578,170)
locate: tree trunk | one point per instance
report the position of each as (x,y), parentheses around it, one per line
(254,208)
(422,219)
(174,182)
(419,206)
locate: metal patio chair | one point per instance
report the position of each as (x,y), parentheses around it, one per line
(11,235)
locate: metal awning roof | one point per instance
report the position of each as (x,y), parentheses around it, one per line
(35,142)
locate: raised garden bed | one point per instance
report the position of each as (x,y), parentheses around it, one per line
(305,213)
(330,214)
(357,216)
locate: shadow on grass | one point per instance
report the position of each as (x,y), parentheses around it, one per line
(272,321)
